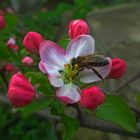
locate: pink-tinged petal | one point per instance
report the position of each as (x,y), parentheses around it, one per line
(52,56)
(88,76)
(80,46)
(11,41)
(64,99)
(54,77)
(42,67)
(69,92)
(56,80)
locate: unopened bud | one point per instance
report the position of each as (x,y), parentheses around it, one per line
(92,97)
(20,92)
(78,27)
(32,41)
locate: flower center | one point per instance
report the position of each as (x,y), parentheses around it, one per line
(69,73)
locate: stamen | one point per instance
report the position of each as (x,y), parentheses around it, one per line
(69,72)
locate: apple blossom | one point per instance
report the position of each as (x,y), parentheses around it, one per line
(11,44)
(27,61)
(56,63)
(20,91)
(9,68)
(91,97)
(77,27)
(32,41)
(118,68)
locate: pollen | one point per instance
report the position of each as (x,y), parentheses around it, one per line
(69,73)
(76,66)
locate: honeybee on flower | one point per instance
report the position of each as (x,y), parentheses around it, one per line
(63,69)
(67,69)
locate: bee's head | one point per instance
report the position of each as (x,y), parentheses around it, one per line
(73,61)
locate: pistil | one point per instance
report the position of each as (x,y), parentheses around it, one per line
(69,73)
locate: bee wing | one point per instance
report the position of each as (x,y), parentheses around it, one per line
(88,75)
(94,60)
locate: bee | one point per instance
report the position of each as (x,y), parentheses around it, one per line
(89,62)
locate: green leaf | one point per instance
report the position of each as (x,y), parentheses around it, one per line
(44,86)
(12,20)
(138,98)
(117,111)
(35,106)
(11,23)
(41,79)
(64,42)
(5,54)
(57,108)
(71,126)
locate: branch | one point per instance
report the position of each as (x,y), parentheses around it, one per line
(86,121)
(135,77)
(101,125)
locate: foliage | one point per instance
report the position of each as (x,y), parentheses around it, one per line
(11,25)
(70,124)
(50,24)
(117,111)
(41,80)
(12,126)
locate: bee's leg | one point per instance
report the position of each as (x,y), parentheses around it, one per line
(96,72)
(81,69)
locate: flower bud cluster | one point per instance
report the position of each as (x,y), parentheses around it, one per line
(21,92)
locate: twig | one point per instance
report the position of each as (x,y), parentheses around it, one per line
(79,111)
(106,127)
(135,77)
(87,122)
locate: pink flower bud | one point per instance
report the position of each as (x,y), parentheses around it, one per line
(21,91)
(9,68)
(2,22)
(78,27)
(11,44)
(32,41)
(92,97)
(118,68)
(27,61)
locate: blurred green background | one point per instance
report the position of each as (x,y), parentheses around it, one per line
(50,18)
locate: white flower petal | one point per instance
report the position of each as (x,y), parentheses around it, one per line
(88,76)
(11,41)
(52,56)
(56,80)
(69,91)
(54,77)
(42,67)
(80,46)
